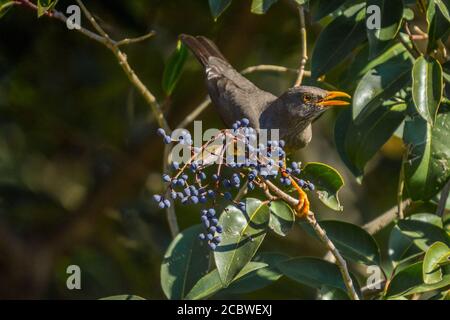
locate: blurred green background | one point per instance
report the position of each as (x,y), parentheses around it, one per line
(79,157)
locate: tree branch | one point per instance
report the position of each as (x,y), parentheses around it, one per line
(310,218)
(304,53)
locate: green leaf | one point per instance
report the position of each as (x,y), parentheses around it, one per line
(436,255)
(210,284)
(217,7)
(358,143)
(243,233)
(391,19)
(327,182)
(401,247)
(261,6)
(44,6)
(174,68)
(313,272)
(362,64)
(282,217)
(428,166)
(427,87)
(438,26)
(424,230)
(123,297)
(353,242)
(261,277)
(185,262)
(379,84)
(444,6)
(409,281)
(337,40)
(5,5)
(323,8)
(327,293)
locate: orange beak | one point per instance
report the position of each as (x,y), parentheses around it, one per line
(328,100)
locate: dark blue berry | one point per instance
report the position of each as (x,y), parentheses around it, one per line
(219,229)
(214,221)
(160,132)
(166,178)
(227,196)
(167,139)
(175,165)
(209,236)
(201,236)
(194,199)
(213,246)
(167,203)
(157,197)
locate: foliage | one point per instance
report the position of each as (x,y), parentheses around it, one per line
(400,94)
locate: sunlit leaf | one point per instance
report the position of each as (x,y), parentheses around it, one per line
(243,233)
(427,87)
(435,256)
(327,182)
(5,5)
(409,281)
(322,8)
(210,284)
(261,6)
(185,262)
(44,6)
(282,217)
(428,166)
(174,68)
(380,84)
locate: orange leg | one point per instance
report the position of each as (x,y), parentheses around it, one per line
(302,208)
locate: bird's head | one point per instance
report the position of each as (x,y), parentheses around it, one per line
(308,102)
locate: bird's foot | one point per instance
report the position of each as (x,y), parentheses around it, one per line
(302,208)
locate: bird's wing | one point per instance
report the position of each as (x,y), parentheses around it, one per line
(234,95)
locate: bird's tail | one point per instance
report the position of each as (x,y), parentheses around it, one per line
(202,48)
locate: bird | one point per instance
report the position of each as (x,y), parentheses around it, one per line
(235,97)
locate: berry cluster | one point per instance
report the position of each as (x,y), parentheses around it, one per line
(191,184)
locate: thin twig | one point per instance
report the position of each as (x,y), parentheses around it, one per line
(128,41)
(443,199)
(304,53)
(310,218)
(340,261)
(385,219)
(401,184)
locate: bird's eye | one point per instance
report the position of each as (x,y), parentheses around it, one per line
(306,98)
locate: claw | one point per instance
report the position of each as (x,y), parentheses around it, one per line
(302,208)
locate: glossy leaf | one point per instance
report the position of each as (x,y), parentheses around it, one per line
(438,26)
(391,13)
(437,254)
(174,68)
(380,84)
(185,262)
(43,6)
(424,230)
(323,8)
(428,166)
(261,6)
(427,87)
(123,297)
(210,284)
(261,277)
(362,64)
(444,7)
(401,247)
(313,272)
(409,281)
(358,143)
(337,40)
(217,7)
(353,242)
(327,182)
(243,233)
(282,217)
